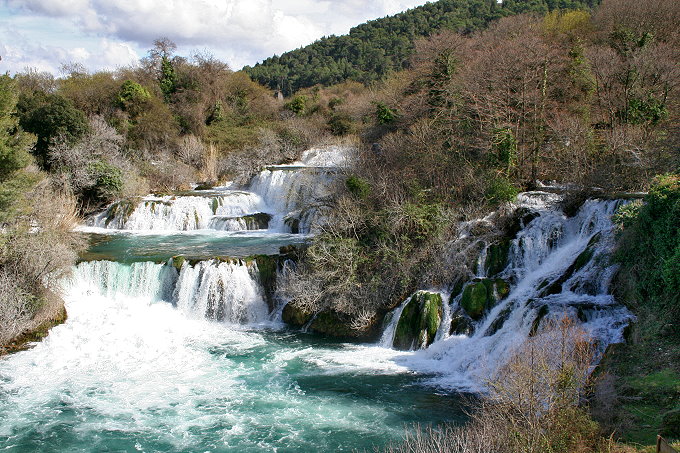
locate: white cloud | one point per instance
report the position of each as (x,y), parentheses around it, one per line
(242,31)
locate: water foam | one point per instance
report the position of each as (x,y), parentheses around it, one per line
(543,254)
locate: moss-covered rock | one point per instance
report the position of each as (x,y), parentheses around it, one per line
(497,257)
(498,323)
(177,262)
(482,294)
(295,316)
(334,324)
(474,299)
(461,324)
(536,323)
(207,185)
(419,321)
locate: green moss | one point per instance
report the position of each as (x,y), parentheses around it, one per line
(334,324)
(497,257)
(502,288)
(419,321)
(536,323)
(498,323)
(122,209)
(461,324)
(474,299)
(177,262)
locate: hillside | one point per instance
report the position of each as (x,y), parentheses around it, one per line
(372,50)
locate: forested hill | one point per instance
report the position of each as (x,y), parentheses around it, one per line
(372,50)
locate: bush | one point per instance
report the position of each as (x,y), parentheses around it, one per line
(297,105)
(358,187)
(532,404)
(341,124)
(500,190)
(108,180)
(384,115)
(650,244)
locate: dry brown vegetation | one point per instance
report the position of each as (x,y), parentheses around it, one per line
(534,403)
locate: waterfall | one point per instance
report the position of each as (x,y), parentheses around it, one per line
(281,198)
(147,280)
(181,213)
(222,291)
(556,266)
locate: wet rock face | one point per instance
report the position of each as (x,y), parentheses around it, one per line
(295,316)
(461,324)
(419,321)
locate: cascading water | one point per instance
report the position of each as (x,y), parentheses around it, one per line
(137,367)
(556,266)
(222,291)
(281,198)
(211,289)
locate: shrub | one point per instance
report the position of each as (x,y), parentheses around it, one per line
(358,187)
(500,190)
(341,124)
(297,105)
(650,245)
(384,115)
(108,180)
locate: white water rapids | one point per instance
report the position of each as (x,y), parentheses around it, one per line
(542,254)
(281,198)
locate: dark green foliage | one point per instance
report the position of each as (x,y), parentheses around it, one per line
(384,115)
(132,97)
(108,181)
(167,79)
(14,155)
(670,424)
(641,111)
(373,50)
(505,145)
(51,118)
(298,104)
(650,246)
(358,187)
(14,144)
(500,190)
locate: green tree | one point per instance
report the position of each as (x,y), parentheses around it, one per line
(51,118)
(14,146)
(132,98)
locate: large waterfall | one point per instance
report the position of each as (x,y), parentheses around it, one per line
(556,266)
(212,289)
(281,198)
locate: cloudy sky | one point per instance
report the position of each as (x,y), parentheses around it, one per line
(105,34)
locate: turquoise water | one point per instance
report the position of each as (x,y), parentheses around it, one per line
(276,399)
(128,248)
(131,372)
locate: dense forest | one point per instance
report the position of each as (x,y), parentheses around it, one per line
(377,48)
(453,107)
